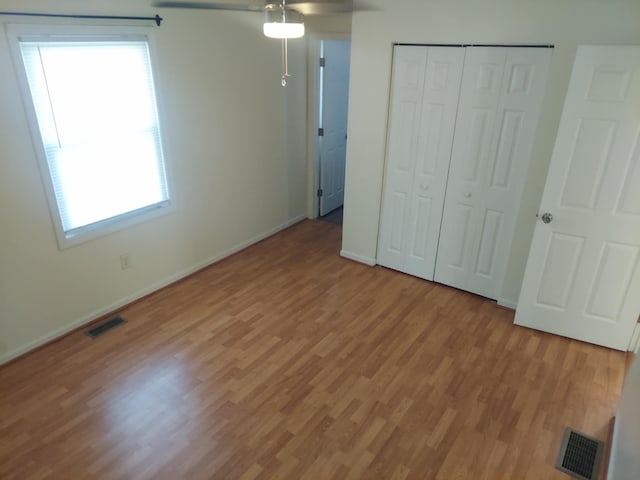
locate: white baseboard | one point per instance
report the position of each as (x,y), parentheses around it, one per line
(358,258)
(142,293)
(505,302)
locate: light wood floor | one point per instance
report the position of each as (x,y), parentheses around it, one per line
(287,362)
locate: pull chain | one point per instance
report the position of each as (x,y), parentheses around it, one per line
(285,61)
(285,48)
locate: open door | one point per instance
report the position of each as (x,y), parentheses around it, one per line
(334,100)
(583,276)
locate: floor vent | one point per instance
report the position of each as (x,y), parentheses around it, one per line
(580,455)
(105,327)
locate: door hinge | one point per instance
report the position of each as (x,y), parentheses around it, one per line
(320,192)
(321,132)
(323,62)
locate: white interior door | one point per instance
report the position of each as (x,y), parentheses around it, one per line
(334,110)
(425,91)
(582,278)
(501,93)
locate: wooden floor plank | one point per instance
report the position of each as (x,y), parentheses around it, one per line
(287,361)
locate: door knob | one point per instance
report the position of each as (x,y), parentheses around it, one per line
(546,217)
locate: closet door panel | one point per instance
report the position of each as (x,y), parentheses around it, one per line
(495,194)
(459,220)
(491,230)
(463,214)
(404,123)
(426,83)
(523,87)
(439,104)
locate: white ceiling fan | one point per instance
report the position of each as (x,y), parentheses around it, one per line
(283,19)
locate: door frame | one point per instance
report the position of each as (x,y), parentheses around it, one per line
(313,109)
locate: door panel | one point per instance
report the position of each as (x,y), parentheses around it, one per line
(510,130)
(478,141)
(460,220)
(587,160)
(501,92)
(429,142)
(399,213)
(491,230)
(611,280)
(561,262)
(480,91)
(592,192)
(629,201)
(423,106)
(408,83)
(422,221)
(404,142)
(333,145)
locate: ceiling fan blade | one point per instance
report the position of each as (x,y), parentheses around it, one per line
(321,7)
(210,6)
(305,7)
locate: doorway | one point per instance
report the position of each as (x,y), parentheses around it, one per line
(331,79)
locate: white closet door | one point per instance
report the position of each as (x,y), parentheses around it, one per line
(424,99)
(502,89)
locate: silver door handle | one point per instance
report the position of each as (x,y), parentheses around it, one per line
(546,217)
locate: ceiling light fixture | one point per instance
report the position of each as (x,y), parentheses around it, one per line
(282,22)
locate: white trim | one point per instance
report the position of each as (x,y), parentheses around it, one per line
(358,258)
(144,292)
(634,344)
(507,303)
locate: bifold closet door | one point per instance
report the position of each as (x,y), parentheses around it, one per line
(424,100)
(500,97)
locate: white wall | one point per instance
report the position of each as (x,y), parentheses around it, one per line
(235,146)
(624,463)
(564,23)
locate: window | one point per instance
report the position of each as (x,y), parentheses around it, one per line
(94,105)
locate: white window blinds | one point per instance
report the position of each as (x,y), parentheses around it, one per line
(95,105)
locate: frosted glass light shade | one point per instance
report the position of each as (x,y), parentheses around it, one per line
(281,22)
(283,30)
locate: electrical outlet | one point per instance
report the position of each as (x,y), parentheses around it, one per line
(125,261)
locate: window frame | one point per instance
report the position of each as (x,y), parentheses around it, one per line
(87,33)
